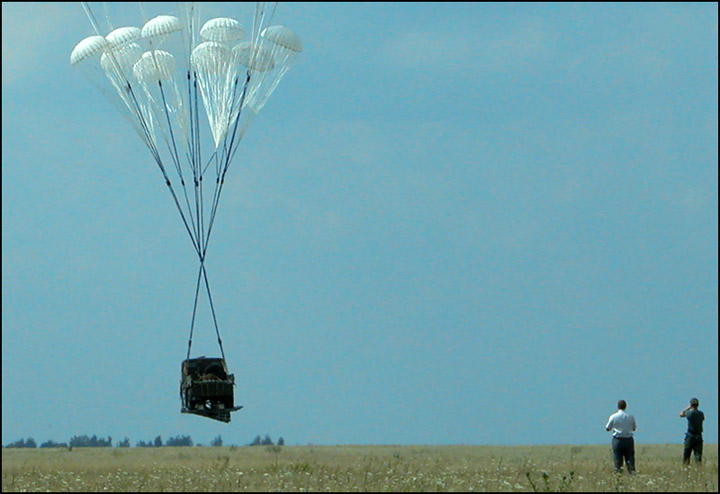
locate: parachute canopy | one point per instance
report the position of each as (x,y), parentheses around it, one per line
(88,47)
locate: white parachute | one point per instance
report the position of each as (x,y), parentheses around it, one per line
(190,83)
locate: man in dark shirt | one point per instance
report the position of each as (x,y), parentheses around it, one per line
(693,436)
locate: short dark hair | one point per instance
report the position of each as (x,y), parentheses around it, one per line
(622,405)
(694,402)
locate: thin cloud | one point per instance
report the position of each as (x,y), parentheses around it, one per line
(469,51)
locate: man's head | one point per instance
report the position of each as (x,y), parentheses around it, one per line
(622,405)
(694,403)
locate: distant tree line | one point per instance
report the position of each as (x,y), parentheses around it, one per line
(94,441)
(266,441)
(22,443)
(52,444)
(157,442)
(83,441)
(90,442)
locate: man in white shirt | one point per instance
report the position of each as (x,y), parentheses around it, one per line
(622,425)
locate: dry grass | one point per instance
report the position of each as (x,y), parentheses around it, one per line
(353,468)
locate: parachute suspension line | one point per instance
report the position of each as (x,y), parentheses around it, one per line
(202,212)
(176,160)
(213,158)
(197,165)
(202,272)
(193,153)
(191,148)
(233,146)
(230,114)
(202,171)
(226,149)
(137,112)
(212,309)
(196,134)
(194,311)
(91,17)
(192,159)
(226,159)
(173,150)
(234,149)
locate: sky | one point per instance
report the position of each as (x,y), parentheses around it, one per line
(452,223)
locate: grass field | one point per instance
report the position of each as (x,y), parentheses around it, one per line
(353,468)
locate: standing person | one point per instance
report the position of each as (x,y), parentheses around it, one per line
(622,425)
(693,436)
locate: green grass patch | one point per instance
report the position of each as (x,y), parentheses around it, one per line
(354,468)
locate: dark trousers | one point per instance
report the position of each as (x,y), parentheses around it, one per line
(624,448)
(693,444)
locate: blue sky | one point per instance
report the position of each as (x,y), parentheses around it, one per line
(452,223)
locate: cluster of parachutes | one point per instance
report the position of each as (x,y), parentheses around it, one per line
(159,74)
(148,67)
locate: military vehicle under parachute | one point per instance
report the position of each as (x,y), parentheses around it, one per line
(207,389)
(159,75)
